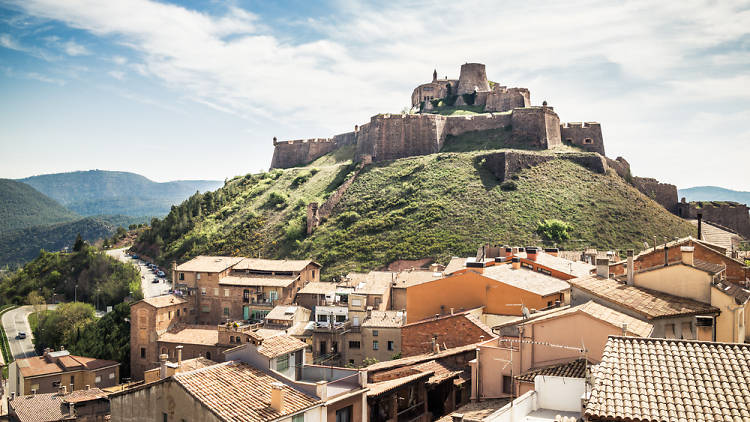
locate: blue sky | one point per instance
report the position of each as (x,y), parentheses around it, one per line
(197,89)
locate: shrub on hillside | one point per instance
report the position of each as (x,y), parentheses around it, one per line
(276,199)
(554,230)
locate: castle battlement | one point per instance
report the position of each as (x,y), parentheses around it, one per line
(567,125)
(303,141)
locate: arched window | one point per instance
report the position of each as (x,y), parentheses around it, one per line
(588,141)
(231,339)
(163,350)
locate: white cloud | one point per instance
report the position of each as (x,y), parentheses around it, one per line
(117,74)
(633,60)
(72,48)
(7,41)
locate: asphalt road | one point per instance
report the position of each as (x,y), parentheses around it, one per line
(15,321)
(148,287)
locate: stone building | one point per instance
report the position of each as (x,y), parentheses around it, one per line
(729,214)
(443,332)
(87,405)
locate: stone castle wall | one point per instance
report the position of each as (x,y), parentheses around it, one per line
(503,99)
(508,163)
(663,193)
(540,125)
(473,77)
(392,136)
(300,152)
(457,125)
(734,215)
(587,136)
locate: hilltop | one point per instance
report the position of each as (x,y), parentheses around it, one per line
(438,205)
(22,206)
(714,193)
(97,192)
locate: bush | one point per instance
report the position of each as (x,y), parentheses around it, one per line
(554,230)
(508,185)
(348,218)
(276,199)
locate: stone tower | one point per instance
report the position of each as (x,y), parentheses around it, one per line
(473,78)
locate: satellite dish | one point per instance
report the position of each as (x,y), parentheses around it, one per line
(525,312)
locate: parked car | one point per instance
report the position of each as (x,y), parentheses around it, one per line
(135,256)
(156,280)
(161,274)
(21,335)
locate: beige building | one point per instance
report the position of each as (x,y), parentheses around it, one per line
(56,369)
(150,318)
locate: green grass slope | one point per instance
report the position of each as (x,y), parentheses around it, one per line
(22,206)
(437,206)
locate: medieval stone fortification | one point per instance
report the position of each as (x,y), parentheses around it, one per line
(421,132)
(733,215)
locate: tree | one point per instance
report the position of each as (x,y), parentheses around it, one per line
(554,230)
(78,245)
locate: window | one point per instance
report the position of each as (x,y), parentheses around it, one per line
(163,350)
(588,141)
(231,339)
(313,274)
(246,295)
(216,291)
(340,318)
(354,345)
(170,315)
(143,353)
(334,346)
(323,350)
(507,384)
(549,304)
(226,311)
(374,333)
(226,292)
(98,379)
(72,379)
(322,318)
(197,276)
(273,295)
(375,345)
(182,276)
(282,363)
(298,418)
(203,291)
(356,302)
(111,375)
(669,331)
(164,417)
(35,387)
(208,355)
(687,331)
(344,415)
(355,321)
(178,312)
(55,384)
(390,345)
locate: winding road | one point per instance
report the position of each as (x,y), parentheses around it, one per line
(148,287)
(15,321)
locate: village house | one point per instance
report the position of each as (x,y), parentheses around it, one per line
(150,318)
(502,288)
(548,343)
(87,405)
(546,261)
(444,332)
(676,380)
(58,368)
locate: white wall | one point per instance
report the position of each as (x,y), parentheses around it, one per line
(522,406)
(559,393)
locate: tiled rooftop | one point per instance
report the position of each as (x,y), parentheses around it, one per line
(413,360)
(603,313)
(526,279)
(209,264)
(319,288)
(671,380)
(378,388)
(720,236)
(280,345)
(740,294)
(236,391)
(204,335)
(651,304)
(273,265)
(284,312)
(52,406)
(573,369)
(575,268)
(384,319)
(41,365)
(164,301)
(252,280)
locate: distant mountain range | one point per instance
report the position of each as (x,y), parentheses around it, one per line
(22,206)
(97,192)
(713,193)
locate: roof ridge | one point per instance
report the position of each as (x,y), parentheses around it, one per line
(677,340)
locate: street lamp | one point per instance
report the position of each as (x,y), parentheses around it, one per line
(75,294)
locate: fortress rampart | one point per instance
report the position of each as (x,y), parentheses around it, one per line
(663,193)
(587,136)
(391,136)
(734,215)
(302,151)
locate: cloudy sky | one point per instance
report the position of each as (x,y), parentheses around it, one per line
(197,89)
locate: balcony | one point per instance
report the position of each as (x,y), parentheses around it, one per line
(335,327)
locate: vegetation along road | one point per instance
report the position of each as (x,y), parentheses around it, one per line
(148,286)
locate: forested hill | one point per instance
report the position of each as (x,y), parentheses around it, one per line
(22,206)
(436,206)
(714,193)
(97,192)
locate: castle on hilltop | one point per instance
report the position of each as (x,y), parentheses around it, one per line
(423,131)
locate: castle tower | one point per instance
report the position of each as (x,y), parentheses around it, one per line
(473,77)
(434,75)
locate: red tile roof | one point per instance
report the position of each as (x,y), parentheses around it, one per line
(41,365)
(235,391)
(572,369)
(280,345)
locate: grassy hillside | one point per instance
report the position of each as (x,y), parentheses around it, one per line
(98,192)
(22,206)
(714,193)
(437,206)
(19,246)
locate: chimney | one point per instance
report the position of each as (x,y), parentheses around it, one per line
(666,254)
(552,251)
(700,227)
(531,252)
(687,253)
(631,269)
(602,267)
(624,329)
(508,251)
(434,268)
(71,388)
(457,417)
(515,263)
(277,396)
(179,355)
(452,311)
(163,366)
(174,274)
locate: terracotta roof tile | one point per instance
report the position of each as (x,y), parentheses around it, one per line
(413,360)
(441,371)
(378,388)
(671,380)
(204,335)
(274,265)
(651,304)
(280,345)
(41,408)
(526,279)
(384,319)
(251,280)
(319,288)
(40,365)
(164,301)
(236,391)
(209,264)
(573,369)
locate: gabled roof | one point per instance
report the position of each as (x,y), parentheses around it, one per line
(651,304)
(602,313)
(252,280)
(526,279)
(274,265)
(163,301)
(40,365)
(209,264)
(740,295)
(557,263)
(412,360)
(282,344)
(319,288)
(704,266)
(384,319)
(236,391)
(572,369)
(670,380)
(378,388)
